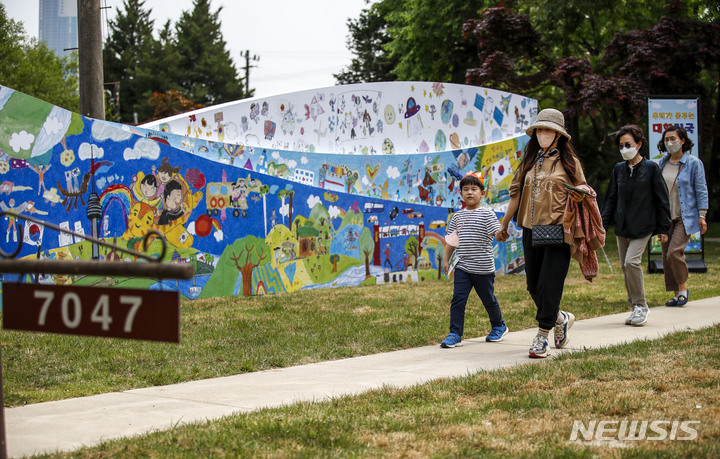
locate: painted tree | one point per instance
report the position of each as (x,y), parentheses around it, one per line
(334,258)
(264,190)
(439,254)
(282,194)
(412,247)
(367,247)
(247,255)
(322,222)
(286,193)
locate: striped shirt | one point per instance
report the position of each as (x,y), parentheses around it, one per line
(476,231)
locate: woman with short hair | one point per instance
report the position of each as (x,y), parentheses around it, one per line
(637,204)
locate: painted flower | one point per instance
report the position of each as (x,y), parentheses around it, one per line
(4,167)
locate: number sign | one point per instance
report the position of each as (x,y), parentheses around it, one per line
(108,312)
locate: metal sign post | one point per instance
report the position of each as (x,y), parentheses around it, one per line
(90,311)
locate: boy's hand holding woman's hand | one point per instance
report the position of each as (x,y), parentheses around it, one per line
(502,234)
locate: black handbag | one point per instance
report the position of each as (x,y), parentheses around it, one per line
(544,235)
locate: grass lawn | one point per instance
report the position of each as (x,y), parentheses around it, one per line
(526,411)
(232,335)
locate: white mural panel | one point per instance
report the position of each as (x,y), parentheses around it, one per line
(366,118)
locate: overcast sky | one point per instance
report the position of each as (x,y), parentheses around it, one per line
(300,43)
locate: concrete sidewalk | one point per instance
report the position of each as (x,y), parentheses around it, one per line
(66,425)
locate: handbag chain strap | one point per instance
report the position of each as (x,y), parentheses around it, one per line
(532,196)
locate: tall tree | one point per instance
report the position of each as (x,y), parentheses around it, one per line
(607,83)
(427,39)
(679,55)
(411,40)
(367,41)
(510,50)
(128,57)
(29,66)
(206,70)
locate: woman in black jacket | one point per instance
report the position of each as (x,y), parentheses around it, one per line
(637,203)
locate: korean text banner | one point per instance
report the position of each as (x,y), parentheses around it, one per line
(663,113)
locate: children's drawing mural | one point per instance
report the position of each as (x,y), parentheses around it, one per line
(368,118)
(430,179)
(249,218)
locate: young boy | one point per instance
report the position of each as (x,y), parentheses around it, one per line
(476,227)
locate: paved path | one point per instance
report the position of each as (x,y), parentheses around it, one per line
(66,425)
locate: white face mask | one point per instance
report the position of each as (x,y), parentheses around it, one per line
(546,138)
(628,153)
(673,147)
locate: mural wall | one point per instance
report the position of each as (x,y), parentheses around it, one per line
(247,224)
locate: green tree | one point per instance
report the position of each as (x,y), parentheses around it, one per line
(367,40)
(29,66)
(411,40)
(206,70)
(613,70)
(569,30)
(679,55)
(511,52)
(427,38)
(129,61)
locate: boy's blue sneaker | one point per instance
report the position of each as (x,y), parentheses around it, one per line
(452,340)
(497,333)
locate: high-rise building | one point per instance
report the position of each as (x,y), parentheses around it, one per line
(58,25)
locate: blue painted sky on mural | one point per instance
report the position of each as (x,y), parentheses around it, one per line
(300,44)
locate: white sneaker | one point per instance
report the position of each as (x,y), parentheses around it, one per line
(632,315)
(641,317)
(561,330)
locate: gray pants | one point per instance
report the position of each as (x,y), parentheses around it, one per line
(631,252)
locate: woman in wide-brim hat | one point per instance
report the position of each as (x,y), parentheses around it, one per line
(539,197)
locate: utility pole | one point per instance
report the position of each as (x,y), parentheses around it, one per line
(255,58)
(92,99)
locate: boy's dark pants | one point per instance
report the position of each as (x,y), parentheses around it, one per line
(484,285)
(546,269)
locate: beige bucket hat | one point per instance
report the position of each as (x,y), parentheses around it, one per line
(551,119)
